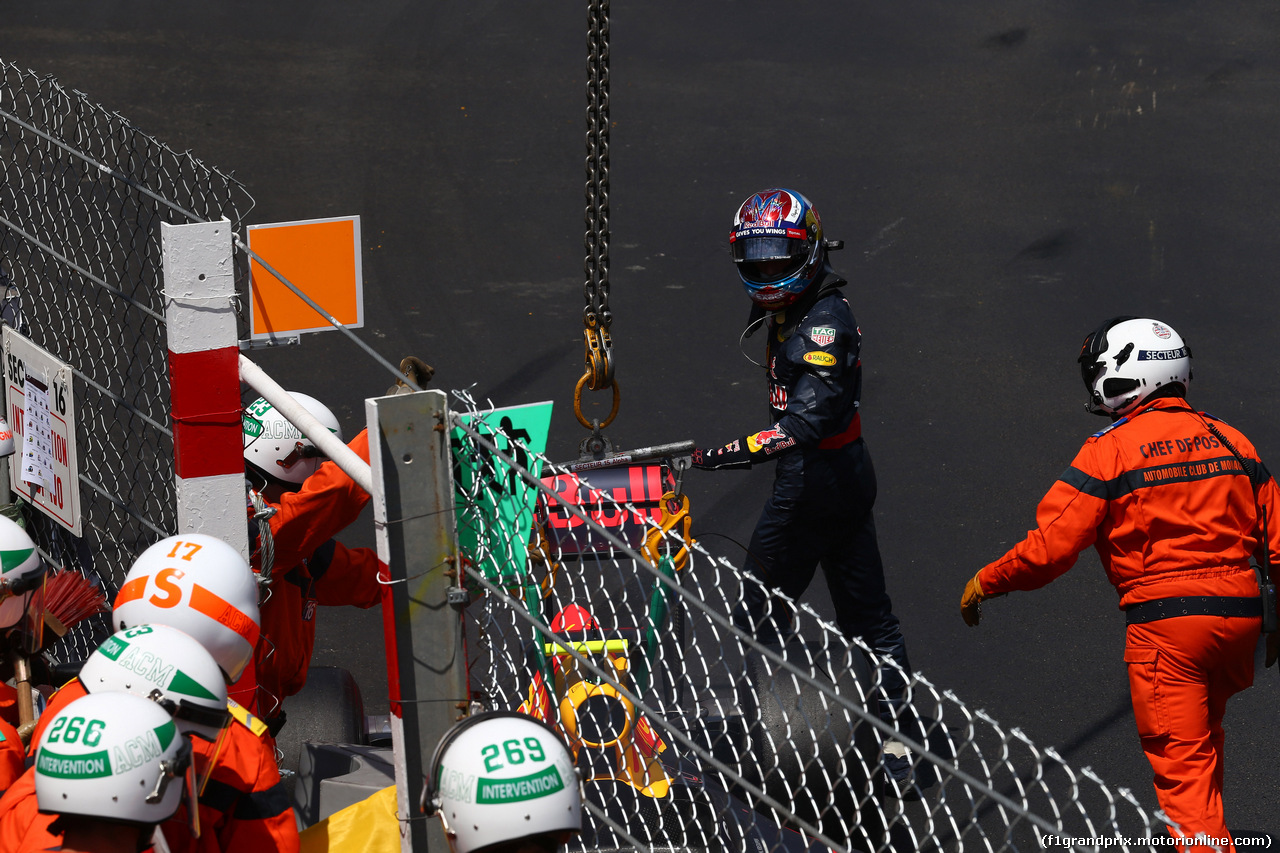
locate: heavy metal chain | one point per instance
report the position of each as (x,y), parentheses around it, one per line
(596,264)
(596,316)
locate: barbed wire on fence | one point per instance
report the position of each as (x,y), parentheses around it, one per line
(82,195)
(693,734)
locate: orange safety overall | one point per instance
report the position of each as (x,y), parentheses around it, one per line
(243,808)
(12,756)
(1172,515)
(309,569)
(22,826)
(12,753)
(9,704)
(23,829)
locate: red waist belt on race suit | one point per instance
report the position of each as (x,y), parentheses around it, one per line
(1192,605)
(852,433)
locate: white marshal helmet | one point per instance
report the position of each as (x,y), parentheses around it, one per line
(171,669)
(113,756)
(501,776)
(276,447)
(1127,360)
(163,664)
(203,587)
(22,575)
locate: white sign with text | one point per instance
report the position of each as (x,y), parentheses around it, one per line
(41,411)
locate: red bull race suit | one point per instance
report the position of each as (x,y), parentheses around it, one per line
(820,511)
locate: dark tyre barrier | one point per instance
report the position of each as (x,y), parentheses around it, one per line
(328,709)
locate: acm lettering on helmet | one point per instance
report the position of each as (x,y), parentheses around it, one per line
(458,786)
(138,751)
(148,665)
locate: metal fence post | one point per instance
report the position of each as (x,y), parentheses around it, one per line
(413,513)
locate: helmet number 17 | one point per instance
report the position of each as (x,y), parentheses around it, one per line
(191,549)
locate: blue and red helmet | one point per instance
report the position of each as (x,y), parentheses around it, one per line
(777,244)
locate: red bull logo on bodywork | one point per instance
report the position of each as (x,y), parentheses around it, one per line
(617,499)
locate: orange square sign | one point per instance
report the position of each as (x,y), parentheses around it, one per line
(321,258)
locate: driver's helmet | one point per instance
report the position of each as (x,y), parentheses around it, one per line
(203,587)
(276,448)
(113,756)
(501,777)
(777,245)
(1127,360)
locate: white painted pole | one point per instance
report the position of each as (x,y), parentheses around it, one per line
(344,457)
(204,388)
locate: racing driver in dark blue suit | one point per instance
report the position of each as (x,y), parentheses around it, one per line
(824,486)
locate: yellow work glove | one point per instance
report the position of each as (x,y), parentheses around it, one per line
(971,602)
(1273,647)
(417,370)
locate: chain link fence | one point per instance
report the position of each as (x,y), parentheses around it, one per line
(593,608)
(82,196)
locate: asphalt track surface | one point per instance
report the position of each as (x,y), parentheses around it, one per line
(1005,175)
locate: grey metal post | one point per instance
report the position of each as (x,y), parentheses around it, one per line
(413,513)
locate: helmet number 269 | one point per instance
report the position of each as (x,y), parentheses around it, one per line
(514,754)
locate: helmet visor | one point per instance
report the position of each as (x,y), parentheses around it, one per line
(24,611)
(1095,345)
(192,800)
(208,743)
(764,260)
(205,757)
(768,248)
(1090,367)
